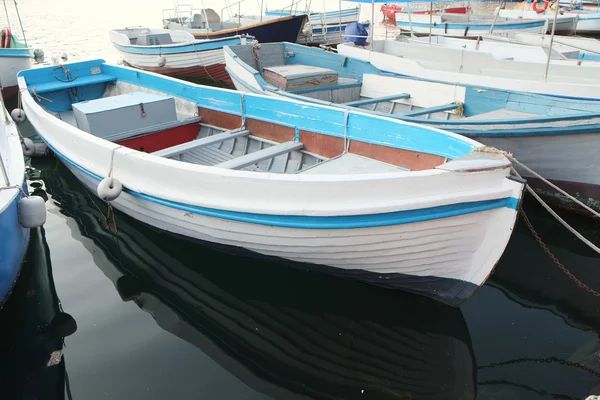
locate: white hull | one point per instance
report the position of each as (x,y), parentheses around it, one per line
(181,60)
(10,67)
(588,23)
(478,69)
(565,23)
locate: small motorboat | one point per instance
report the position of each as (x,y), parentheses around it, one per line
(557,138)
(388,202)
(174,53)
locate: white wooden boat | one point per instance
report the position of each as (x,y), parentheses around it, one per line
(388,202)
(443,64)
(566,24)
(569,47)
(464,25)
(584,44)
(558,139)
(588,21)
(174,53)
(328,35)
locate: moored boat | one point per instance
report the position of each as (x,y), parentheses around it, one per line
(389,10)
(565,79)
(588,21)
(423,210)
(556,138)
(566,24)
(15,56)
(174,53)
(207,24)
(464,25)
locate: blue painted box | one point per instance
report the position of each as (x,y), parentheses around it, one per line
(122,116)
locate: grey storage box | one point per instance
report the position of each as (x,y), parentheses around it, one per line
(119,117)
(290,77)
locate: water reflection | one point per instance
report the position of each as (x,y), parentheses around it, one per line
(33,328)
(284,332)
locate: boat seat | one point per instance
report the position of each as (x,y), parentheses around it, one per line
(432,110)
(79,81)
(260,155)
(197,143)
(363,102)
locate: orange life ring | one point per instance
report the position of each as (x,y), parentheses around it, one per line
(539,10)
(5,42)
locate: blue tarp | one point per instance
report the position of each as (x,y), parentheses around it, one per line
(353,30)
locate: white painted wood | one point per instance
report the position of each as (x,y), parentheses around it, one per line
(10,67)
(560,43)
(422,94)
(478,69)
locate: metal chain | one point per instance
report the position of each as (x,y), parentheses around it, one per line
(546,360)
(556,261)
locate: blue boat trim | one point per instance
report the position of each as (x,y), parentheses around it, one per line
(211,44)
(472,27)
(322,222)
(16,53)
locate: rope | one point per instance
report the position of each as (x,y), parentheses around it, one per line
(555,260)
(486,149)
(546,360)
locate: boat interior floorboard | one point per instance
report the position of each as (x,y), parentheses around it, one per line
(351,162)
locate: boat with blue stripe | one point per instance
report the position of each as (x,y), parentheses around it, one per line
(174,53)
(464,25)
(520,123)
(363,196)
(15,56)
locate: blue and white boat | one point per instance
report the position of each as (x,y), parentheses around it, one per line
(558,138)
(378,199)
(174,53)
(14,237)
(15,56)
(465,25)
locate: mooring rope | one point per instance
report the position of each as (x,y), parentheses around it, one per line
(488,149)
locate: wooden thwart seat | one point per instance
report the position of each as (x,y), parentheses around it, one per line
(206,141)
(432,110)
(261,155)
(80,81)
(377,100)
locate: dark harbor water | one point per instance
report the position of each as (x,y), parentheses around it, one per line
(159,317)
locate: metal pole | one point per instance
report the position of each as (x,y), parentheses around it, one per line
(551,40)
(430,19)
(6,10)
(372,22)
(412,34)
(20,23)
(495,17)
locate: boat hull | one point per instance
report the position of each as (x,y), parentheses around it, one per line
(389,11)
(328,35)
(13,245)
(588,23)
(569,161)
(11,62)
(350,253)
(284,29)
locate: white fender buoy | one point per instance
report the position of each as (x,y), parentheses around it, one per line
(28,147)
(161,61)
(18,115)
(109,189)
(32,212)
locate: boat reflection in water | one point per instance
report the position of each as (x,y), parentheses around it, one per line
(285,332)
(33,328)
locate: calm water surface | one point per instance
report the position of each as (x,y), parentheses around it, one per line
(159,317)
